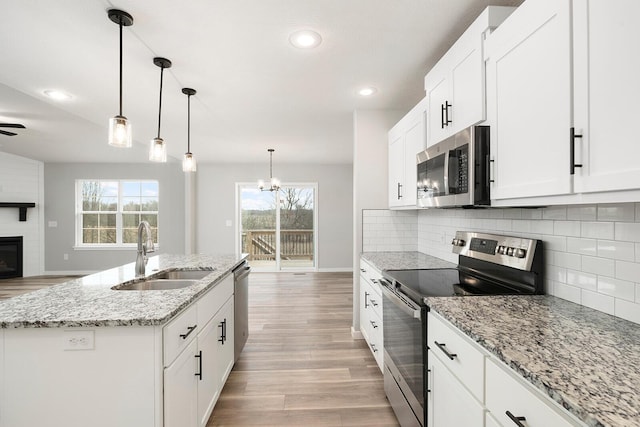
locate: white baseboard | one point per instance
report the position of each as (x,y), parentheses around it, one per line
(336,270)
(69,272)
(356,335)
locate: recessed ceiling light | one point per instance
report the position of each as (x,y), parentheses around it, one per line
(305,39)
(367,91)
(57,95)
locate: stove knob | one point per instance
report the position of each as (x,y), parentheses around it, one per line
(510,251)
(458,242)
(461,242)
(501,250)
(519,253)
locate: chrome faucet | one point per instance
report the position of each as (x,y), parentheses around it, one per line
(143,248)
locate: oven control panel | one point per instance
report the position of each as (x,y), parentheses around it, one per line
(516,252)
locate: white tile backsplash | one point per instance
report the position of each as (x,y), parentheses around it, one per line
(592,251)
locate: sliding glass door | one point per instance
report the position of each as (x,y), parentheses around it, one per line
(278,228)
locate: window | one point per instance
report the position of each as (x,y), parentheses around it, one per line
(108,211)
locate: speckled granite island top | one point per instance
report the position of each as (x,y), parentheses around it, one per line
(405,260)
(90,301)
(587,361)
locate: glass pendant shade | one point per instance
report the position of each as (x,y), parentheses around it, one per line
(158,150)
(120,132)
(188,163)
(274,183)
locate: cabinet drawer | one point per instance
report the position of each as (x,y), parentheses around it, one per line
(371,275)
(506,393)
(178,333)
(209,304)
(463,357)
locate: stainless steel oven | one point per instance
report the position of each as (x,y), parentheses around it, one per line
(488,264)
(455,172)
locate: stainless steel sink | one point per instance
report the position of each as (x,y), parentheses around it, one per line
(184,274)
(156,285)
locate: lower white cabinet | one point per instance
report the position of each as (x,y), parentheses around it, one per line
(194,380)
(370,311)
(450,403)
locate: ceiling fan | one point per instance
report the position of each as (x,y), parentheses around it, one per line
(10,125)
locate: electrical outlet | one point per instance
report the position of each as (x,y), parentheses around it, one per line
(53,224)
(78,340)
(229,223)
(65,257)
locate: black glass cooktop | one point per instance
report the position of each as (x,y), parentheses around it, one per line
(447,282)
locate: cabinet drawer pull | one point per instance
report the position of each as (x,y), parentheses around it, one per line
(516,420)
(199,357)
(373,324)
(374,303)
(373,348)
(444,350)
(189,330)
(363,270)
(223,332)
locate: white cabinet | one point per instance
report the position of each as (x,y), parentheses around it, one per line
(557,68)
(529,100)
(455,86)
(371,310)
(201,369)
(606,39)
(450,403)
(406,139)
(509,398)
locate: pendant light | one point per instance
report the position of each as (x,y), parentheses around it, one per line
(119,126)
(275,182)
(157,147)
(188,162)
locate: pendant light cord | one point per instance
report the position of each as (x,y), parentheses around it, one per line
(160,104)
(120,25)
(188,123)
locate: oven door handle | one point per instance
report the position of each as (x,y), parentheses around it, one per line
(405,306)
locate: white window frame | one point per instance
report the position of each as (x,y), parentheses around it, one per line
(119,245)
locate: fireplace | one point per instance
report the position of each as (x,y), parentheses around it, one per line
(10,257)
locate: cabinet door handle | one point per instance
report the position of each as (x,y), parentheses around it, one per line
(366,296)
(199,357)
(444,350)
(446,109)
(189,330)
(223,332)
(442,123)
(373,324)
(516,420)
(572,151)
(490,164)
(399,191)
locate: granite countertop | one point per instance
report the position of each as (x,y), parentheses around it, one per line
(587,361)
(89,301)
(405,260)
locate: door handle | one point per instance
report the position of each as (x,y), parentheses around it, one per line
(199,357)
(446,109)
(572,151)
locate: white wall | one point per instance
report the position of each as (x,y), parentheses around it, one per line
(216,204)
(60,181)
(592,252)
(21,180)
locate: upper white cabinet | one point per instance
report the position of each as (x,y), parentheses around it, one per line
(606,39)
(406,139)
(561,91)
(455,86)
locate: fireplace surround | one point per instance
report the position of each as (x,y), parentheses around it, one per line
(10,257)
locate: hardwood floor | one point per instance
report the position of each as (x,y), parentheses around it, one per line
(300,365)
(21,285)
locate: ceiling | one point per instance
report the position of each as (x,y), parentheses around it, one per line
(254,89)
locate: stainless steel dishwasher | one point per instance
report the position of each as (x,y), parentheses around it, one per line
(241,307)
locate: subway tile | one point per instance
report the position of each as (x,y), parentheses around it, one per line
(567,260)
(555,212)
(504,225)
(542,227)
(582,280)
(521,225)
(557,274)
(564,291)
(628,231)
(597,230)
(531,213)
(598,301)
(627,310)
(617,288)
(582,246)
(616,250)
(616,212)
(555,243)
(599,266)
(567,228)
(582,213)
(638,292)
(628,271)
(513,213)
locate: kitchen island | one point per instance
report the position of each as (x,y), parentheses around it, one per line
(584,360)
(81,353)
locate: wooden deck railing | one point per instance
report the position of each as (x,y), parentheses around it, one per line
(294,244)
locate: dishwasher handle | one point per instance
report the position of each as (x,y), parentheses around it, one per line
(403,304)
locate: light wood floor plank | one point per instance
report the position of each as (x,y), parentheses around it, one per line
(300,355)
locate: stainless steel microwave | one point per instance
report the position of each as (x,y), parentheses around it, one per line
(455,172)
